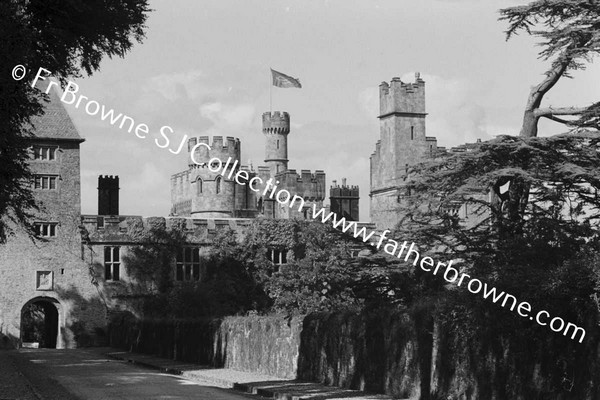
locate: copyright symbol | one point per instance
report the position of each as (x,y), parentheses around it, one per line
(18,72)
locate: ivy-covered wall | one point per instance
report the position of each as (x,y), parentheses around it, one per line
(409,355)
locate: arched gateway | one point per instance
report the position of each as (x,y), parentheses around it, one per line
(40,323)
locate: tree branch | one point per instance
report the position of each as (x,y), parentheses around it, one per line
(552,76)
(546,112)
(556,119)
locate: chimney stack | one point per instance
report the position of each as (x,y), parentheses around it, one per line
(108,195)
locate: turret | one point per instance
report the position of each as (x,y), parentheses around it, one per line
(344,200)
(276,127)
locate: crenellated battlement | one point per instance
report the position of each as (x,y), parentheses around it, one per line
(400,98)
(276,122)
(343,189)
(217,143)
(310,186)
(132,228)
(221,148)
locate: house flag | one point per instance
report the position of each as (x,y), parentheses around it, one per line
(284,81)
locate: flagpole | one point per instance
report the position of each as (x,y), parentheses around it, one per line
(270,92)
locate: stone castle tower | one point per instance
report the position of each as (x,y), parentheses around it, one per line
(202,193)
(403,142)
(276,127)
(311,187)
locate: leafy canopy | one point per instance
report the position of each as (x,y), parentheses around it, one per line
(65,37)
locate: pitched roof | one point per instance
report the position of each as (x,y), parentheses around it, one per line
(55,123)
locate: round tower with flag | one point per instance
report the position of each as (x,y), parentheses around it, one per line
(276,127)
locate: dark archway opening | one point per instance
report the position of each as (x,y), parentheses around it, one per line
(39,324)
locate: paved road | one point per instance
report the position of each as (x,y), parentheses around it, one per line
(87,375)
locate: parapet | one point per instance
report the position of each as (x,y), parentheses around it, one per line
(221,148)
(404,99)
(343,190)
(307,176)
(308,185)
(218,143)
(276,122)
(130,228)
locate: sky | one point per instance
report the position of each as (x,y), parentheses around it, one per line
(203,69)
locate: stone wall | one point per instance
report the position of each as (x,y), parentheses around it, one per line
(267,345)
(406,355)
(377,352)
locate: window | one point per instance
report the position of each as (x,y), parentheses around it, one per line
(44,153)
(277,256)
(412,133)
(45,229)
(188,264)
(45,182)
(278,144)
(199,186)
(112,263)
(218,183)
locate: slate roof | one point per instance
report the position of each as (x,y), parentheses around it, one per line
(55,123)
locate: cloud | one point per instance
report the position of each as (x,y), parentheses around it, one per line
(229,117)
(181,84)
(456,115)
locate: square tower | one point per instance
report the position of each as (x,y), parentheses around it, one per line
(403,142)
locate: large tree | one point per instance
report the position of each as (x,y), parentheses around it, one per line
(544,250)
(66,37)
(570,33)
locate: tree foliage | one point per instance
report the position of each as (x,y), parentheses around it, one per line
(323,272)
(531,230)
(533,212)
(225,287)
(559,174)
(64,37)
(570,37)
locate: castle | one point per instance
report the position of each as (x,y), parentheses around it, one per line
(76,271)
(200,193)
